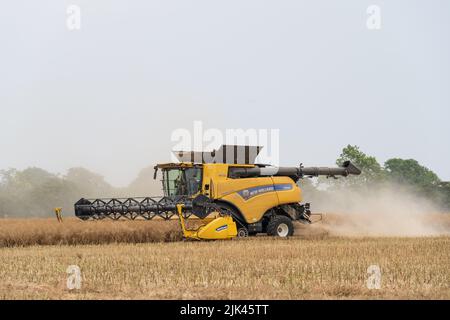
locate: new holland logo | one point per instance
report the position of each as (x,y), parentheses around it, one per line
(251,192)
(222,228)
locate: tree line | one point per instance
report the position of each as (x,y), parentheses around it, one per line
(402,172)
(35,192)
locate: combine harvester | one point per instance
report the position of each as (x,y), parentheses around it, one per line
(230,194)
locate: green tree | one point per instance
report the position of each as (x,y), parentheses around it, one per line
(410,172)
(35,192)
(372,171)
(144,184)
(55,192)
(421,179)
(89,184)
(20,194)
(444,194)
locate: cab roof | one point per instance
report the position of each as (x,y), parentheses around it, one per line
(230,154)
(173,165)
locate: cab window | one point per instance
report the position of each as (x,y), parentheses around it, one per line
(181,182)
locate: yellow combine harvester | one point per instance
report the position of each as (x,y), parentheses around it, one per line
(230,194)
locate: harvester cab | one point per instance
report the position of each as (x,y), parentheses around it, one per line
(226,191)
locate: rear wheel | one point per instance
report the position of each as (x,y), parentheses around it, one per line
(280,226)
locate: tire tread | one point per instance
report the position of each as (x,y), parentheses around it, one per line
(275,222)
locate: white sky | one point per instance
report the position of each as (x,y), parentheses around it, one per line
(108,97)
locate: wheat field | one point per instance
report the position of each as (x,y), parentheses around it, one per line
(72,231)
(147,260)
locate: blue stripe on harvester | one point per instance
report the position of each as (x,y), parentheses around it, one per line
(251,192)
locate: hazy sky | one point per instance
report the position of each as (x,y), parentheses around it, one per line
(108,96)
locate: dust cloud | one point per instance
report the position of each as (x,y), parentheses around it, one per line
(384,210)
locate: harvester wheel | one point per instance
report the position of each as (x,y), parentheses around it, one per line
(280,226)
(242,233)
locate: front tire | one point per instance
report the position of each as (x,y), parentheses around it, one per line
(280,226)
